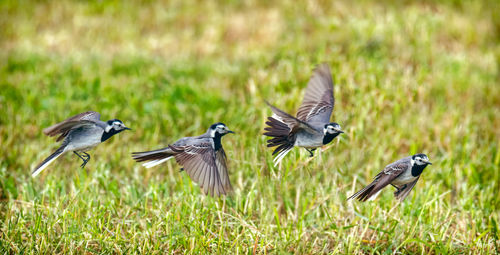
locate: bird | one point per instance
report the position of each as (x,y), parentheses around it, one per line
(402,174)
(80,133)
(311,128)
(202,157)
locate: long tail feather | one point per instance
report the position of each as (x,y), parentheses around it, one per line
(281,155)
(155,162)
(47,161)
(154,158)
(371,191)
(362,192)
(280,138)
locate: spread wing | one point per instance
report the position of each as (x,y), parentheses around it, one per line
(318,101)
(62,128)
(293,123)
(199,161)
(221,162)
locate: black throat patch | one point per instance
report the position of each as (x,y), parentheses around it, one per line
(416,170)
(106,135)
(217,141)
(329,137)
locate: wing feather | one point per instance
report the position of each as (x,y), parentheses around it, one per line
(402,194)
(293,123)
(221,161)
(200,161)
(384,178)
(318,102)
(62,128)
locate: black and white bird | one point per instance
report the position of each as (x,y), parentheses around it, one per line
(312,127)
(80,133)
(402,174)
(202,157)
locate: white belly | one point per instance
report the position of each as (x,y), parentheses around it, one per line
(82,147)
(83,139)
(309,141)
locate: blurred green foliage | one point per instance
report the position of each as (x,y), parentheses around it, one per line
(410,77)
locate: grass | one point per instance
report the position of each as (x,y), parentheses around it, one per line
(413,77)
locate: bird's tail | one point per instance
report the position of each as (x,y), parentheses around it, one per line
(367,192)
(280,137)
(47,161)
(154,158)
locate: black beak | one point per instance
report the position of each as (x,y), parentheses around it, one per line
(230,132)
(126,128)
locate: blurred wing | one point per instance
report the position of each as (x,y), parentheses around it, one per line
(199,161)
(293,123)
(62,128)
(318,101)
(221,162)
(402,194)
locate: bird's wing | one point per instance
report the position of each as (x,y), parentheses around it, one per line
(318,101)
(384,178)
(390,172)
(402,194)
(293,123)
(62,128)
(221,162)
(199,161)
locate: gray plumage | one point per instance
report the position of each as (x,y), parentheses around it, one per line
(402,174)
(80,133)
(202,157)
(311,128)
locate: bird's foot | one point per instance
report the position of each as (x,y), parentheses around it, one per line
(83,164)
(311,154)
(398,190)
(85,160)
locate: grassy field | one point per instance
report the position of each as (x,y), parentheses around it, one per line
(414,77)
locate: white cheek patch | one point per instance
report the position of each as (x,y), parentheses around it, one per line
(412,162)
(108,128)
(418,162)
(212,133)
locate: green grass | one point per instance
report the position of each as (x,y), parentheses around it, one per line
(413,77)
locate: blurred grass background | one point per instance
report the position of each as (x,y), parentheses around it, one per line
(410,77)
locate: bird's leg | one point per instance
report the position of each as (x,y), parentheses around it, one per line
(397,188)
(87,155)
(85,160)
(310,151)
(80,156)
